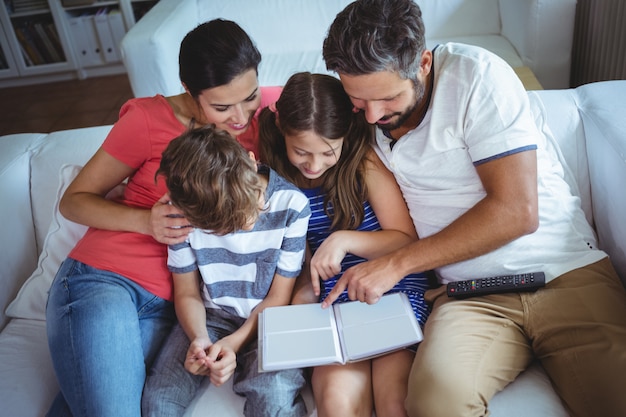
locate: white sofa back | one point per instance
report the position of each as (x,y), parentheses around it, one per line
(289,35)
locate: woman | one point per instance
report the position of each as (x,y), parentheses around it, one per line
(312,137)
(110,304)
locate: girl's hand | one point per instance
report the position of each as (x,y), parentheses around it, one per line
(326,262)
(167,224)
(221,361)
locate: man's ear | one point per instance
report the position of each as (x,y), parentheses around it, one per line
(186,89)
(426,62)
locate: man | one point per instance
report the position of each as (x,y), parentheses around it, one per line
(487,199)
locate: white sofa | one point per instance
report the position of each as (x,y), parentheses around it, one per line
(587,123)
(533,33)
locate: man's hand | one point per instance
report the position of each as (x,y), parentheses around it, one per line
(366,282)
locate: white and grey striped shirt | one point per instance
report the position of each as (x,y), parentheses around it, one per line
(238,268)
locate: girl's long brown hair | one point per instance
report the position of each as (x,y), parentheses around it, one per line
(318,103)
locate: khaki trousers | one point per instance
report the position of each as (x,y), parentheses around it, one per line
(472,348)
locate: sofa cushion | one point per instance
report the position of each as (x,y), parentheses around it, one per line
(605,127)
(454,18)
(74,146)
(497,44)
(63,234)
(27,381)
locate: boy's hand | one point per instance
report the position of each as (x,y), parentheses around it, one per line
(221,362)
(196,361)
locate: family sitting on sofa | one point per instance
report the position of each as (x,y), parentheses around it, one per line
(406,142)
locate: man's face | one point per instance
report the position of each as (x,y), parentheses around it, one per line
(387,100)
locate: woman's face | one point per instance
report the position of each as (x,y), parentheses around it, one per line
(231,107)
(312,154)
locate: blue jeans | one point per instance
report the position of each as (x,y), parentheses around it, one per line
(104,330)
(170,388)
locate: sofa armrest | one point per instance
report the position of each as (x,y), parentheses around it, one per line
(601,108)
(18,245)
(543,33)
(150,48)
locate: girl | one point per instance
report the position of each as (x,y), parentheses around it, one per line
(312,137)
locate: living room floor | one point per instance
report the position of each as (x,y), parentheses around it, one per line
(63,105)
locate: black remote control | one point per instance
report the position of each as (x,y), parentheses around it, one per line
(493,285)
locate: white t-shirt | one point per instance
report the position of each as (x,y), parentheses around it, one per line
(479,111)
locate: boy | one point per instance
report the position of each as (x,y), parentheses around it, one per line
(246,250)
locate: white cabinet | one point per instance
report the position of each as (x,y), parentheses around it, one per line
(32,43)
(50,40)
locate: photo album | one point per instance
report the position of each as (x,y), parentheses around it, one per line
(304,335)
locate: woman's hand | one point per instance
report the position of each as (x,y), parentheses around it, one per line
(167,224)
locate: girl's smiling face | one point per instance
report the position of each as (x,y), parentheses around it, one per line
(312,154)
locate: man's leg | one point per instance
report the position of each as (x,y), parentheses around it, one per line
(472,349)
(578,326)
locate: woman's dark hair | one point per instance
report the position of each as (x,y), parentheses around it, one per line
(318,103)
(214,53)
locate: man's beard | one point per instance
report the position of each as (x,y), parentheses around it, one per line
(419,90)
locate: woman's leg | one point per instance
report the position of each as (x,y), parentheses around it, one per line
(97,339)
(343,390)
(390,377)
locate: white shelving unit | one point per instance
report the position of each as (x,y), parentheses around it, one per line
(8,66)
(52,40)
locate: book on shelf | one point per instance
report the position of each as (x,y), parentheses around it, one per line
(118,29)
(51,52)
(85,41)
(304,335)
(105,36)
(53,35)
(31,53)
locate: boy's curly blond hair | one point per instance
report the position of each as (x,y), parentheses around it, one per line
(212,180)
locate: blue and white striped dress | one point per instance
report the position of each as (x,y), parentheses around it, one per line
(413,285)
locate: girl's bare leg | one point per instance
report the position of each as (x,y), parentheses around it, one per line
(343,390)
(390,375)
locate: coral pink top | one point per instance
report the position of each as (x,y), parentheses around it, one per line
(145,128)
